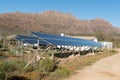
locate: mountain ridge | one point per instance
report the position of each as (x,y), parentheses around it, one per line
(54,22)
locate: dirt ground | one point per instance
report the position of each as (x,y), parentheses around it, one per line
(104,69)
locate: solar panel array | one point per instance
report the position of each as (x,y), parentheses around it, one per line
(63,40)
(30,40)
(50,39)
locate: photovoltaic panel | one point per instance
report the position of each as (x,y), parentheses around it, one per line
(27,37)
(51,36)
(21,40)
(63,40)
(30,40)
(70,43)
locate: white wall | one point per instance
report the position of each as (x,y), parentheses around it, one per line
(108,45)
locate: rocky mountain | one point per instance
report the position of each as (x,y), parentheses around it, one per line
(54,22)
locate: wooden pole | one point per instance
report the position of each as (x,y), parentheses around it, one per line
(53,57)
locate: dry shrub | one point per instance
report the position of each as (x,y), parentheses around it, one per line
(46,65)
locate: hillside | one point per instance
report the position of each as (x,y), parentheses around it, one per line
(54,22)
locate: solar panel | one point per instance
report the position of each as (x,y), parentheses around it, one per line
(27,37)
(30,40)
(52,36)
(63,40)
(71,43)
(21,40)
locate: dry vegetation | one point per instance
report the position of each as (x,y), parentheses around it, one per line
(12,67)
(79,62)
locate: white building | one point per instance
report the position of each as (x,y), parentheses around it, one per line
(92,38)
(108,45)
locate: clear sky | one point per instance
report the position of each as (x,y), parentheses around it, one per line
(82,9)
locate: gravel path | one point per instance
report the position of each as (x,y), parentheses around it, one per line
(104,69)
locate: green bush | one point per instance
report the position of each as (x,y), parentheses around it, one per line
(20,65)
(46,65)
(2,75)
(62,71)
(29,68)
(7,66)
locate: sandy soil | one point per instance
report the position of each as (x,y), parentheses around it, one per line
(104,69)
